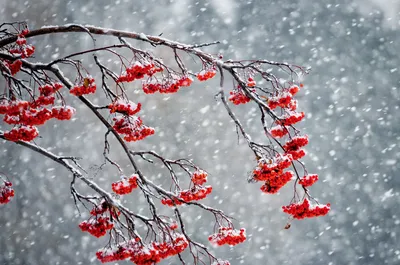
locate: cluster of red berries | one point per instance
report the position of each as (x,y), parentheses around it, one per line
(12,107)
(26,115)
(6,192)
(62,112)
(30,117)
(29,114)
(237,97)
(14,67)
(22,50)
(125,186)
(49,89)
(251,82)
(195,194)
(206,74)
(274,184)
(278,131)
(143,254)
(22,133)
(294,89)
(170,86)
(308,180)
(124,107)
(199,177)
(282,100)
(132,128)
(272,173)
(96,226)
(267,170)
(16,106)
(173,226)
(98,223)
(290,118)
(228,235)
(86,86)
(46,96)
(100,209)
(138,70)
(305,210)
(293,146)
(33,116)
(103,207)
(296,143)
(120,252)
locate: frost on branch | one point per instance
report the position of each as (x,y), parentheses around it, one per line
(270,86)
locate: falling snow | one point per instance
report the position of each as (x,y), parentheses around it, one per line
(351,99)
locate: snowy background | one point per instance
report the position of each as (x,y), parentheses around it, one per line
(351,99)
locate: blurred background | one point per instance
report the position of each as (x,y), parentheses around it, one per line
(351,100)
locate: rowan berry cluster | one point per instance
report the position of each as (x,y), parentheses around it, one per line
(199,177)
(126,185)
(278,131)
(22,50)
(293,146)
(296,143)
(251,82)
(32,116)
(282,100)
(29,114)
(308,180)
(305,210)
(238,97)
(173,226)
(6,192)
(290,118)
(172,85)
(14,67)
(26,115)
(104,207)
(12,107)
(268,169)
(62,112)
(228,235)
(125,107)
(138,70)
(29,117)
(274,184)
(96,226)
(132,128)
(144,254)
(195,194)
(46,96)
(49,89)
(86,86)
(22,133)
(100,208)
(206,74)
(272,173)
